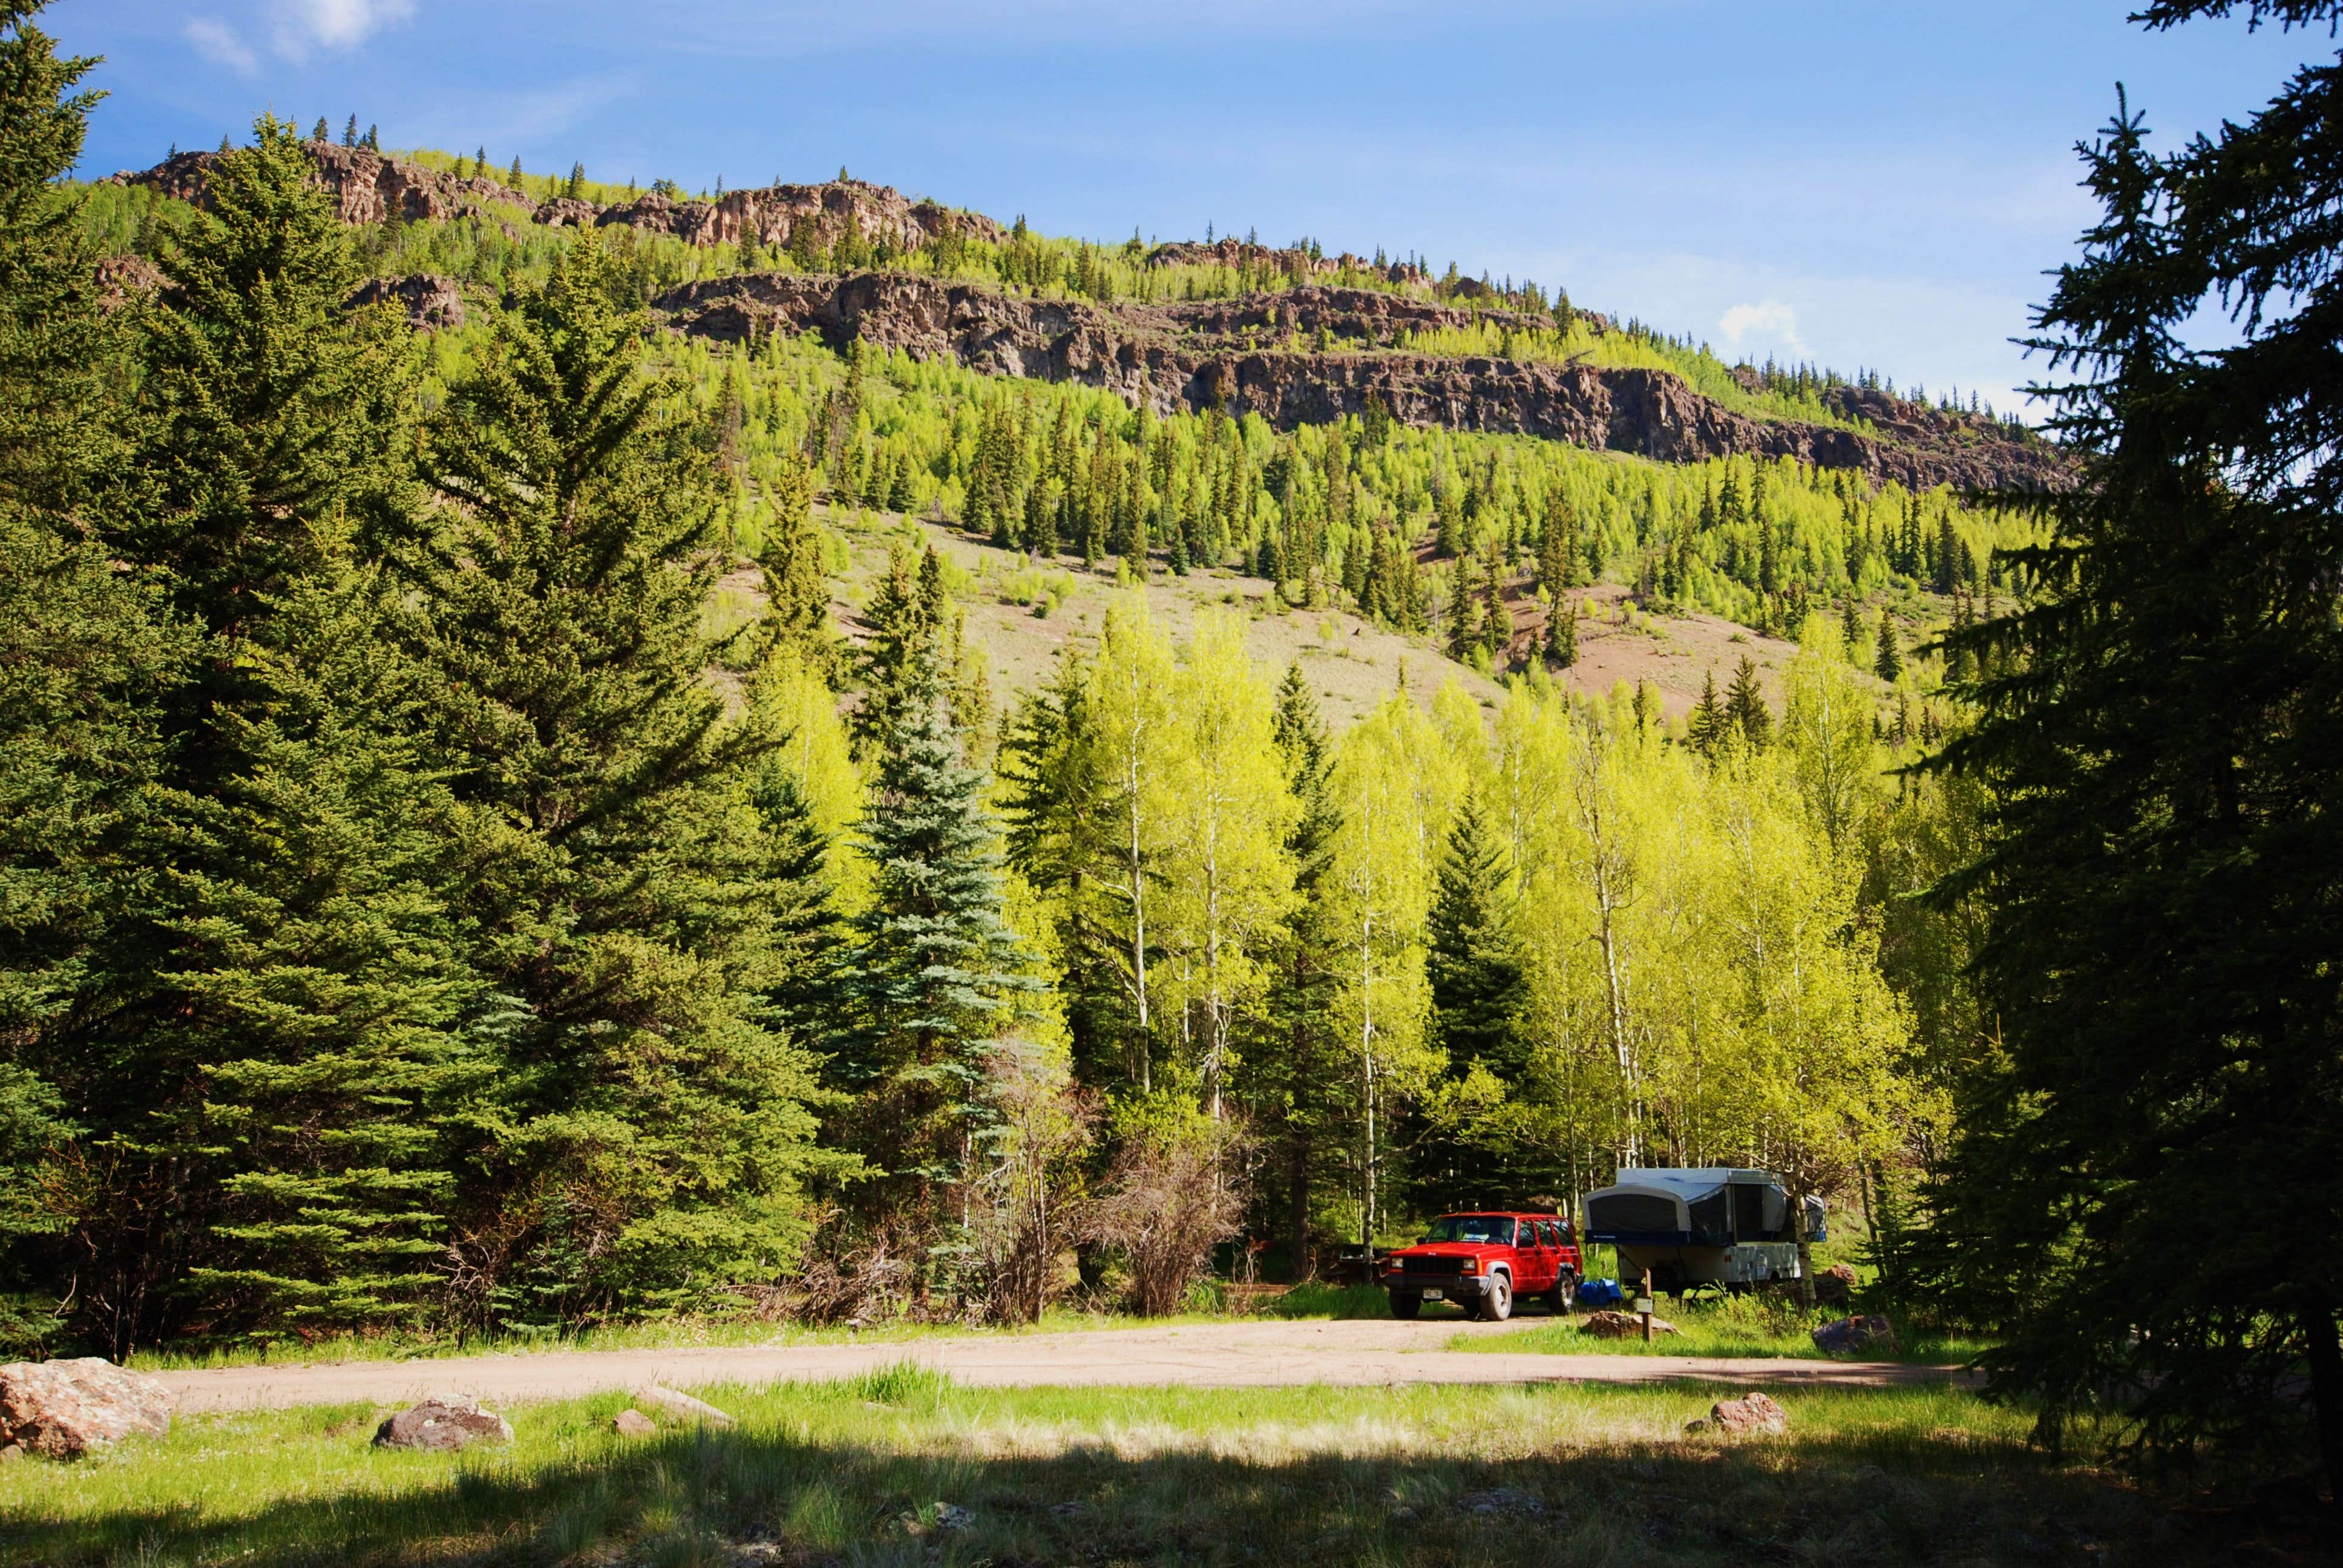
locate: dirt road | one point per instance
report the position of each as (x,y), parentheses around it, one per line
(1199,1355)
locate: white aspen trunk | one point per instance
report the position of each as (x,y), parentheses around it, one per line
(1138,895)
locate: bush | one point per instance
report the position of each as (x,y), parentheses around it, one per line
(1175,1191)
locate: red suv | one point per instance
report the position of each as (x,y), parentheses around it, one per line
(1483,1261)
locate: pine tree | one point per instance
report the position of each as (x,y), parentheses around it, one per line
(1464,629)
(904,627)
(1850,625)
(607,882)
(1745,713)
(1562,633)
(1707,723)
(1474,967)
(84,653)
(266,404)
(320,985)
(350,132)
(574,189)
(1294,1085)
(2159,730)
(319,132)
(797,581)
(372,140)
(935,968)
(1887,663)
(512,174)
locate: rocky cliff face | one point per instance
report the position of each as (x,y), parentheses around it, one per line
(1235,253)
(1193,356)
(367,187)
(373,187)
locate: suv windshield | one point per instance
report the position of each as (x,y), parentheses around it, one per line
(1487,1229)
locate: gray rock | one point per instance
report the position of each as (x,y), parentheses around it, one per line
(443,1426)
(1858,1335)
(63,1408)
(682,1406)
(633,1423)
(952,1516)
(1506,1502)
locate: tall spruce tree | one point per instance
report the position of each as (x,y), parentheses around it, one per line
(650,1131)
(2164,873)
(1474,967)
(1745,713)
(272,430)
(934,969)
(86,650)
(1294,1085)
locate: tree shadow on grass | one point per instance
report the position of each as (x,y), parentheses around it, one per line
(967,1492)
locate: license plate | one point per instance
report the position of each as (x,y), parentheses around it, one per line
(1434,1296)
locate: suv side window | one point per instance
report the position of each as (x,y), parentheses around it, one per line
(1549,1233)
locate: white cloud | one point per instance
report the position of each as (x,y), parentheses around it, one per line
(1772,320)
(215,41)
(334,24)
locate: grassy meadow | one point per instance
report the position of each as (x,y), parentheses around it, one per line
(904,1467)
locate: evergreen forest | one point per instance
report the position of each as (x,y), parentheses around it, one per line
(476,862)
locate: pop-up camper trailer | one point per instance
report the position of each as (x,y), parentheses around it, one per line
(1715,1225)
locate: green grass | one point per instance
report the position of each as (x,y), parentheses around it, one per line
(1053,1476)
(1735,1326)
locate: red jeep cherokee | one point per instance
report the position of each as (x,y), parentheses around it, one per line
(1483,1261)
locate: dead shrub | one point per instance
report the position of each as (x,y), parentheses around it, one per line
(1176,1190)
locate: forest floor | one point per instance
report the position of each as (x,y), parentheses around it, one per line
(907,1467)
(1230,1353)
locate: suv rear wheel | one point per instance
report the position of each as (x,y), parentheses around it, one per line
(1564,1294)
(1498,1304)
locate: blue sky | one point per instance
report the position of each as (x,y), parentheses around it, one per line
(1861,183)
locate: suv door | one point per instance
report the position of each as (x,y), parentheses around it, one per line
(1538,1261)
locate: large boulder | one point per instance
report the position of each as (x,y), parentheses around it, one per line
(64,1409)
(1751,1415)
(1856,1336)
(443,1425)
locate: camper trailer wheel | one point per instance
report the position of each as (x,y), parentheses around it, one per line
(1498,1304)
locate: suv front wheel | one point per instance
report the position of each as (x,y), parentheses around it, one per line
(1498,1304)
(1404,1307)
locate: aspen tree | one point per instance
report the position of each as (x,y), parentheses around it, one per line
(1132,683)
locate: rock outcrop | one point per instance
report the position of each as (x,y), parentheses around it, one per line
(64,1409)
(367,187)
(1285,260)
(1231,354)
(431,300)
(774,215)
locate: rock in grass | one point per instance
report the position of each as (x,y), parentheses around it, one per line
(443,1426)
(633,1423)
(952,1516)
(682,1406)
(1849,1336)
(1506,1502)
(1622,1325)
(63,1408)
(1751,1415)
